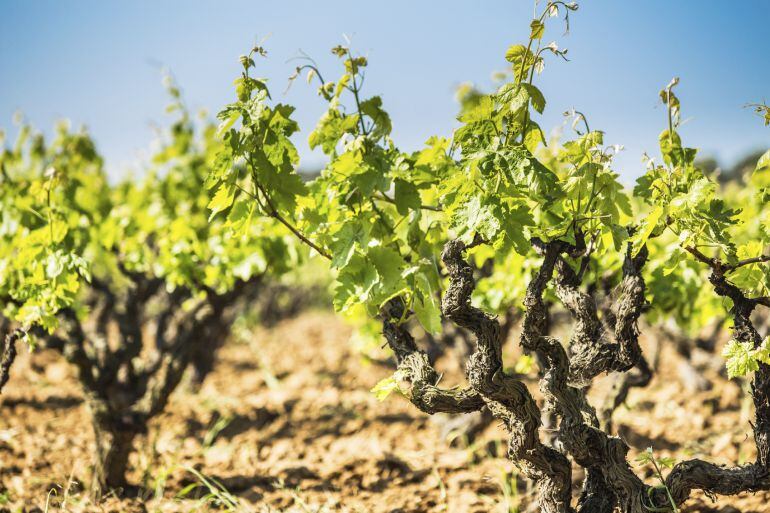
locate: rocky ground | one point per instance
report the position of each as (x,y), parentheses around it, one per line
(287,423)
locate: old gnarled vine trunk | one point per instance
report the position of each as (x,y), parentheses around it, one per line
(596,347)
(114,442)
(127,371)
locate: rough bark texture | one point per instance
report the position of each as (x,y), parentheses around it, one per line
(129,371)
(8,355)
(712,479)
(609,479)
(425,394)
(744,331)
(507,398)
(114,439)
(598,345)
(457,343)
(592,353)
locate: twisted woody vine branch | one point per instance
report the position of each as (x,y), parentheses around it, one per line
(405,234)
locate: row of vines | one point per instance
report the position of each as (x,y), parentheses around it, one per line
(137,282)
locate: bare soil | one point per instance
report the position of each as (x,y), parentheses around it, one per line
(287,423)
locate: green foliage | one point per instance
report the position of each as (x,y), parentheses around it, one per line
(648,458)
(387,386)
(42,262)
(159,226)
(381,215)
(683,198)
(62,221)
(369,212)
(763,164)
(742,358)
(678,288)
(694,224)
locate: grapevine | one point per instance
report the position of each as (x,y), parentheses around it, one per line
(401,230)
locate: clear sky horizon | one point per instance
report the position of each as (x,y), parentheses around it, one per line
(99,64)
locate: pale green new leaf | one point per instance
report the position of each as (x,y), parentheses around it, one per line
(387,386)
(741,359)
(222,199)
(763,164)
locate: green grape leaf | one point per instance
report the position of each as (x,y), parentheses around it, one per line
(764,161)
(222,200)
(352,234)
(536,97)
(407,197)
(426,305)
(387,386)
(741,359)
(537,28)
(474,217)
(648,227)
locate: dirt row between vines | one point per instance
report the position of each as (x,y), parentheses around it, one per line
(287,423)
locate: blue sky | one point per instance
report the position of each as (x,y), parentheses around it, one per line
(98,63)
